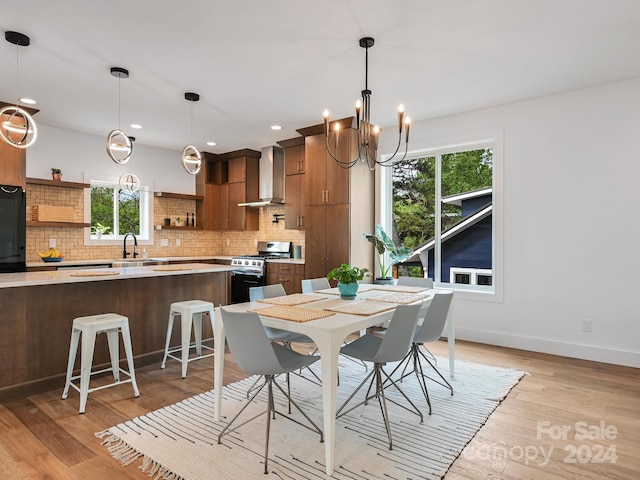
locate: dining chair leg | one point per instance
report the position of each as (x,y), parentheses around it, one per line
(270,411)
(446,383)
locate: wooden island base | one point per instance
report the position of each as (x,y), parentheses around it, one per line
(35,323)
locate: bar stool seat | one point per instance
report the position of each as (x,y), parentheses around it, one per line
(190,312)
(88,327)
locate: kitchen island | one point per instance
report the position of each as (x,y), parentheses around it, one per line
(37,310)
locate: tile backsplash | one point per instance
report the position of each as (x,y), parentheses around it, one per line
(70,241)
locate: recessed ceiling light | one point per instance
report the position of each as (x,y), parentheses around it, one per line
(212,144)
(28,101)
(276,127)
(135,125)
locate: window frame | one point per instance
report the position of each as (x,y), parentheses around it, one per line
(146,236)
(460,143)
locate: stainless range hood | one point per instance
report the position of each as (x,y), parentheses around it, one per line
(271,178)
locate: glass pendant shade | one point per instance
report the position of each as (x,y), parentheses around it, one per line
(119,146)
(17,128)
(191,159)
(129,182)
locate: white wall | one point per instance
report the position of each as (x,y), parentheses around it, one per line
(80,155)
(571,229)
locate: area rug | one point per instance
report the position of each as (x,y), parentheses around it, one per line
(179,442)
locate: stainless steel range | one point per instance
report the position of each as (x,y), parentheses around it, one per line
(251,270)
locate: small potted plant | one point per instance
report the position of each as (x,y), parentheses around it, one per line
(347,277)
(98,230)
(179,221)
(56,174)
(383,244)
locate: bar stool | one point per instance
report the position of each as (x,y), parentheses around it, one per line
(190,312)
(89,327)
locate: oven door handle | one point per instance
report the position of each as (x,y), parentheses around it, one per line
(244,273)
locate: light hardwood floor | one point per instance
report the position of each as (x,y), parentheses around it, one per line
(44,437)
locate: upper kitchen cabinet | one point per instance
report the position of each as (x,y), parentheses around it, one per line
(13,161)
(294,173)
(225,181)
(326,182)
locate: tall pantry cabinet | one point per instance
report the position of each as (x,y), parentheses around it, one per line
(339,205)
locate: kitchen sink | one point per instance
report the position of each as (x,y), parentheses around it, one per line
(138,262)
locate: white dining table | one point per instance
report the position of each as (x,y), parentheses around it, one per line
(328,334)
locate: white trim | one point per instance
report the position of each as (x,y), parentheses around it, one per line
(554,347)
(457,199)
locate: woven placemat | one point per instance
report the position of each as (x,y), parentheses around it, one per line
(361,307)
(400,288)
(293,299)
(172,268)
(400,297)
(100,273)
(295,314)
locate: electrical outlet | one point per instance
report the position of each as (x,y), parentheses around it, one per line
(586,324)
(52,243)
(228,242)
(178,242)
(164,242)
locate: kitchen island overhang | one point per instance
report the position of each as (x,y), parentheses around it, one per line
(37,310)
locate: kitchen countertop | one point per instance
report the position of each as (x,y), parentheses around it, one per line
(54,277)
(296,261)
(108,261)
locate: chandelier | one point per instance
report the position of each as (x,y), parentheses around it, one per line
(191,157)
(18,130)
(119,146)
(367,133)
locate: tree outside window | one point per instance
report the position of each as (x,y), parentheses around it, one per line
(119,210)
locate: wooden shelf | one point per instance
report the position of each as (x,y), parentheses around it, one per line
(175,227)
(180,196)
(32,223)
(57,183)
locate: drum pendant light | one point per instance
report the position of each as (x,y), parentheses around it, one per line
(119,146)
(18,129)
(191,157)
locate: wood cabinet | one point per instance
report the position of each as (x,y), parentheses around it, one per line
(325,181)
(13,165)
(327,235)
(290,275)
(225,181)
(294,174)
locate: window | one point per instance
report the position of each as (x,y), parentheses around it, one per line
(115,212)
(442,206)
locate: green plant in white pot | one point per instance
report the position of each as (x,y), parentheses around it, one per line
(385,247)
(347,277)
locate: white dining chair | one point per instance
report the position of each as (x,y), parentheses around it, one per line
(392,347)
(255,354)
(415,281)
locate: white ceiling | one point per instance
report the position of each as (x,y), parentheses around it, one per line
(261,62)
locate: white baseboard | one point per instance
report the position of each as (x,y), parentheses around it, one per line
(543,345)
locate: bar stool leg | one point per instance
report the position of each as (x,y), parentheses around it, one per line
(126,339)
(114,352)
(73,350)
(88,342)
(166,345)
(197,332)
(185,323)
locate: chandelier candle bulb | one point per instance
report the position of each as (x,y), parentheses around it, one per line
(407,123)
(400,118)
(325,115)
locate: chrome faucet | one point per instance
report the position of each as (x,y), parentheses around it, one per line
(125,254)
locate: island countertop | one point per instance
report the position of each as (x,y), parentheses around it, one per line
(55,277)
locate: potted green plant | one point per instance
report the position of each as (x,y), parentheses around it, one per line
(384,245)
(347,277)
(98,229)
(179,221)
(56,174)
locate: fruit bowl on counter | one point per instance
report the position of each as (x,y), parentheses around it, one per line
(51,255)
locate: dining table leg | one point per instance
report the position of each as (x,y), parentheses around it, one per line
(329,349)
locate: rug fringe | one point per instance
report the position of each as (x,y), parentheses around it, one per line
(125,454)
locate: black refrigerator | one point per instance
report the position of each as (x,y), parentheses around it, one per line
(13,229)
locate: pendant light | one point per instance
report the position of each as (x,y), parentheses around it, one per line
(119,146)
(367,134)
(18,130)
(191,157)
(129,182)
